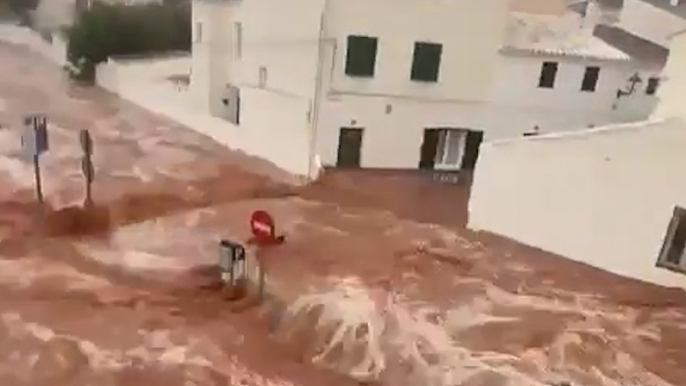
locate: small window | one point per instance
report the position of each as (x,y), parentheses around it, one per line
(238,39)
(548,74)
(590,79)
(672,255)
(653,84)
(198,32)
(361,56)
(426,62)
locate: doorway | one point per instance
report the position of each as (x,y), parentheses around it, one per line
(450,149)
(349,147)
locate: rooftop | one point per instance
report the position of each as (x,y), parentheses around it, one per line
(555,35)
(641,50)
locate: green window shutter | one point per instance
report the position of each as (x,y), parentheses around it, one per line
(426,61)
(361,56)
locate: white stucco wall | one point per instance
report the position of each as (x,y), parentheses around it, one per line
(283,39)
(392,138)
(565,107)
(672,92)
(603,197)
(470,32)
(649,22)
(272,125)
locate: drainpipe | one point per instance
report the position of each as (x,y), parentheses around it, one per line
(317,93)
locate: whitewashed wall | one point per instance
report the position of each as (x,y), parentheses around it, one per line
(118,73)
(283,38)
(470,32)
(603,197)
(565,107)
(650,22)
(55,51)
(672,93)
(393,109)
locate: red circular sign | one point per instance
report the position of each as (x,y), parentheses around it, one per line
(262,226)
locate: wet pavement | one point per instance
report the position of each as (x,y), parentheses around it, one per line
(119,294)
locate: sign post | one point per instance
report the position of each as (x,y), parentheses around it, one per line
(263,228)
(34,142)
(233,265)
(87,164)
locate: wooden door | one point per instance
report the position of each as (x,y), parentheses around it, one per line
(349,148)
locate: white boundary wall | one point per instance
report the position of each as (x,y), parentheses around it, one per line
(602,197)
(273,126)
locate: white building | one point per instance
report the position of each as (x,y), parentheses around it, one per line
(407,84)
(610,197)
(558,73)
(360,82)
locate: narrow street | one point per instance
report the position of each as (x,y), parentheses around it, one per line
(118,295)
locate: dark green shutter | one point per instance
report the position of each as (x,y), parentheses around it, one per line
(361,56)
(472,146)
(426,61)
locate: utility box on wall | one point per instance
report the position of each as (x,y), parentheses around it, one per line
(231,104)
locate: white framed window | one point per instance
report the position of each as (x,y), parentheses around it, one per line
(450,148)
(238,39)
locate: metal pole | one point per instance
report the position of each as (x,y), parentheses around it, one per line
(39,187)
(89,198)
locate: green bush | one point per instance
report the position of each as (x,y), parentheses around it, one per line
(105,30)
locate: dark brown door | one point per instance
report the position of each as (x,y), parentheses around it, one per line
(349,148)
(427,156)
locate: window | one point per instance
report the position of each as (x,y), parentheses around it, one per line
(361,56)
(426,62)
(672,255)
(450,148)
(548,74)
(198,32)
(590,79)
(653,84)
(238,39)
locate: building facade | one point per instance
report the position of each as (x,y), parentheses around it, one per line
(406,84)
(606,196)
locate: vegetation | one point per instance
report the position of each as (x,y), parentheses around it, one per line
(105,30)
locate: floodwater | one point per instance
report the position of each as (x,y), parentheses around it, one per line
(123,293)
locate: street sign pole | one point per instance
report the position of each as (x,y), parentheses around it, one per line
(34,142)
(87,164)
(39,185)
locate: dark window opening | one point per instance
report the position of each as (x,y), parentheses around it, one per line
(548,74)
(653,84)
(426,62)
(361,56)
(672,255)
(590,79)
